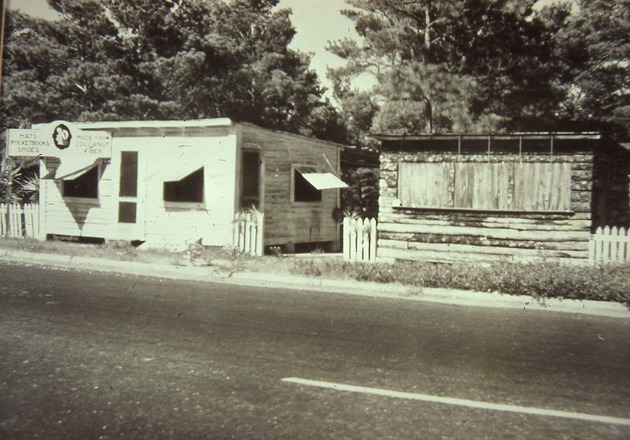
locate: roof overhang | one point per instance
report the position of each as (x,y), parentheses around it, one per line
(516,142)
(486,136)
(196,127)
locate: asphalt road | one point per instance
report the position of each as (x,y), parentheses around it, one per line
(90,355)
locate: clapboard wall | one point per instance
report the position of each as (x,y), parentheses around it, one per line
(288,222)
(73,216)
(496,204)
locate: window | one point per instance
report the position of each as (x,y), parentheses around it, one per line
(127,212)
(128,187)
(308,183)
(250,179)
(84,185)
(128,174)
(507,186)
(303,191)
(187,189)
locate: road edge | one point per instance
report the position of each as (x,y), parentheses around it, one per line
(351,287)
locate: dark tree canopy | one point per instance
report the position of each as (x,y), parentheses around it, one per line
(593,44)
(163,59)
(486,65)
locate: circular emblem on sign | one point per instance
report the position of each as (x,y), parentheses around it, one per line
(61,136)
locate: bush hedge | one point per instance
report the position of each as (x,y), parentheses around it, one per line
(540,280)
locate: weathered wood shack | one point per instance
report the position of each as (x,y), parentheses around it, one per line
(522,196)
(174,182)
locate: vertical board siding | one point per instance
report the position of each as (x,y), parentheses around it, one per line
(486,186)
(482,186)
(425,184)
(542,186)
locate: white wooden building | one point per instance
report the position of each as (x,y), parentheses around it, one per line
(168,183)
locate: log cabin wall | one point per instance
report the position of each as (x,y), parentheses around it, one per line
(441,205)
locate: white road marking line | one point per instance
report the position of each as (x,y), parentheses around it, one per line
(460,402)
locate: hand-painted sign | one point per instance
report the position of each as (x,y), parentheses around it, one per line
(59,139)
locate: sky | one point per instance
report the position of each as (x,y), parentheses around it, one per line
(315,21)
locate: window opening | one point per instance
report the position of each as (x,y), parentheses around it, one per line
(128,187)
(83,186)
(250,179)
(129,174)
(187,189)
(303,191)
(127,212)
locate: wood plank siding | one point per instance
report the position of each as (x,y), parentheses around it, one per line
(515,186)
(287,221)
(156,221)
(482,206)
(74,216)
(174,182)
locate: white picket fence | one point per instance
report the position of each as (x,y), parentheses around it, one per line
(610,246)
(19,221)
(359,239)
(249,233)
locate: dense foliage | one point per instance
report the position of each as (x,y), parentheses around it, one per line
(361,197)
(165,59)
(486,65)
(594,46)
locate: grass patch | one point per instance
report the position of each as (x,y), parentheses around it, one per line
(218,258)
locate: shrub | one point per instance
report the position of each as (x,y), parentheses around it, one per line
(540,280)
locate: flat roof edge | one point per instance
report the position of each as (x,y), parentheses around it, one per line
(480,136)
(289,134)
(190,123)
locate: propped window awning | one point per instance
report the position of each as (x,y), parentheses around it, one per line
(72,167)
(319,180)
(176,171)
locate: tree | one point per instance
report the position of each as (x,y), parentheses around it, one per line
(361,196)
(592,42)
(443,65)
(166,59)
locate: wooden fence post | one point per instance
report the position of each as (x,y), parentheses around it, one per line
(346,239)
(248,233)
(365,238)
(14,220)
(609,246)
(353,239)
(3,220)
(260,234)
(373,239)
(359,239)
